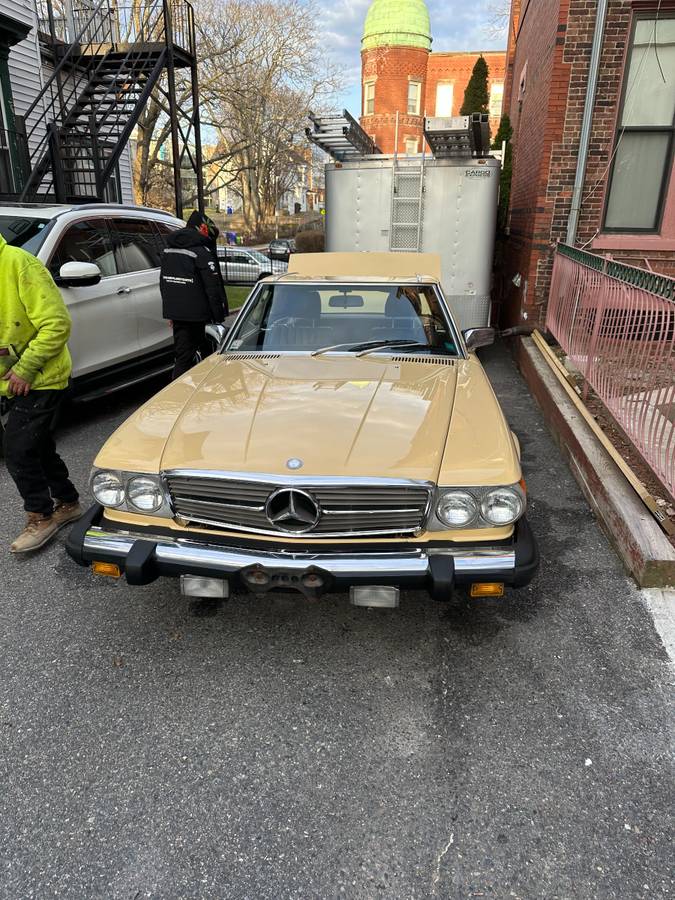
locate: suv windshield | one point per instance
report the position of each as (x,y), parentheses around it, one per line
(23,231)
(347,318)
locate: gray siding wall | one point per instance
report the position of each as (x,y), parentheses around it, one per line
(28,75)
(25,70)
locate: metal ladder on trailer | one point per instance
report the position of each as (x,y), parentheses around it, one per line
(407,206)
(341,137)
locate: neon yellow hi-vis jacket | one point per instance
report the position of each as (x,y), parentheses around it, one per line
(34,323)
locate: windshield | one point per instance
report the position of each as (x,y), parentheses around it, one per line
(345,318)
(259,257)
(24,232)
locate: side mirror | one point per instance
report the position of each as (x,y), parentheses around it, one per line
(478,337)
(217,332)
(78,274)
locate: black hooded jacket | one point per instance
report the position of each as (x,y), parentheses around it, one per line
(190,280)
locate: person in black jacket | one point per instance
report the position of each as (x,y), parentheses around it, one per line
(193,292)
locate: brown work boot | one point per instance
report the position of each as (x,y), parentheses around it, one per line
(66,512)
(38,531)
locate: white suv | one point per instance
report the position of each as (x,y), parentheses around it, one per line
(105,259)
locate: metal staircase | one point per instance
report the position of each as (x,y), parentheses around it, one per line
(97,91)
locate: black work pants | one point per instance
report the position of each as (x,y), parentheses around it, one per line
(188,340)
(37,469)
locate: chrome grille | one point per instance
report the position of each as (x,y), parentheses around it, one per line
(372,508)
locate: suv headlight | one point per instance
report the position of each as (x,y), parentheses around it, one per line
(133,491)
(503,505)
(478,507)
(108,489)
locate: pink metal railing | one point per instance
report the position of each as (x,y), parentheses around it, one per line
(617,325)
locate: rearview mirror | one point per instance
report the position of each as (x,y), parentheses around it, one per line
(78,274)
(478,337)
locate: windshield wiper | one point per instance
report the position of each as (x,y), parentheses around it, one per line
(333,347)
(404,345)
(366,346)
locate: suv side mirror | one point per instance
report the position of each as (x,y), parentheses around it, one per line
(478,337)
(78,274)
(217,332)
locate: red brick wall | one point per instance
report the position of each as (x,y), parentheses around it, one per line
(514,19)
(537,116)
(457,68)
(554,39)
(391,68)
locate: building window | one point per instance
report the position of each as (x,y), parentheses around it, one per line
(496,97)
(411,146)
(444,98)
(643,150)
(369,98)
(414,97)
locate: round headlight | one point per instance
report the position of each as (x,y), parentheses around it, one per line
(144,494)
(457,509)
(108,489)
(502,506)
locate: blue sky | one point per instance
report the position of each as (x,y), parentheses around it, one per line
(455,24)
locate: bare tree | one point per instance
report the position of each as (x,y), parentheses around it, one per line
(258,102)
(497,23)
(261,68)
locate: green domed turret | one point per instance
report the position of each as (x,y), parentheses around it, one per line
(397,23)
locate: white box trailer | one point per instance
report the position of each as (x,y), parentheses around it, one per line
(444,206)
(444,203)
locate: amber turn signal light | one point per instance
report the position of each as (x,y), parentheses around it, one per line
(487,589)
(104,568)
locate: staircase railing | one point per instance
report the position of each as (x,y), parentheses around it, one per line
(90,35)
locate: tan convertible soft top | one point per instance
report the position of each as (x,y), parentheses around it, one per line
(385,265)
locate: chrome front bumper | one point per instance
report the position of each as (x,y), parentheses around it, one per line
(143,557)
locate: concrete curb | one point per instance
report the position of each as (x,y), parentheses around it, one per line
(642,546)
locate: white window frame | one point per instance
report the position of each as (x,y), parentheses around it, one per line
(415,110)
(411,141)
(369,98)
(445,84)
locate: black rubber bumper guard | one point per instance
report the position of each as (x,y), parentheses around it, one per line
(141,567)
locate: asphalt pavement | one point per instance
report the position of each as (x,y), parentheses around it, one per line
(281,748)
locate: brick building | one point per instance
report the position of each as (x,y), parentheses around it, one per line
(400,75)
(625,199)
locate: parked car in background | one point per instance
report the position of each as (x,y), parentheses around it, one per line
(105,260)
(243,265)
(344,436)
(281,248)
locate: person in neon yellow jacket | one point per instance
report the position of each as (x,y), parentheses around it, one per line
(35,367)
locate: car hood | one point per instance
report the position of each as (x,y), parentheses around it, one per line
(372,416)
(338,415)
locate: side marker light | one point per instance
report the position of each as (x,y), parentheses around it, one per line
(487,589)
(108,569)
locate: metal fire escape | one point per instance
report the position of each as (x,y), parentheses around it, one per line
(108,60)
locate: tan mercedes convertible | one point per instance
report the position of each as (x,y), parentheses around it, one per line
(344,435)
